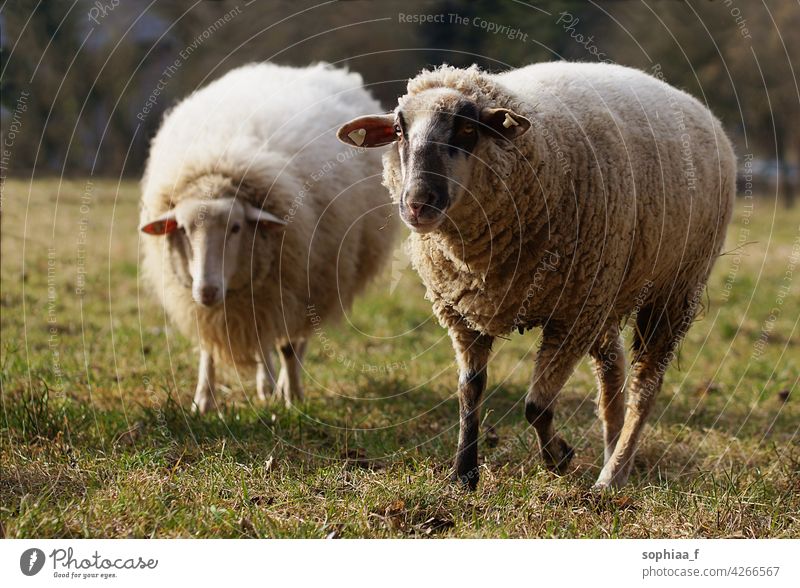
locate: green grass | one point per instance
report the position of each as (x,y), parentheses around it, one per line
(96,439)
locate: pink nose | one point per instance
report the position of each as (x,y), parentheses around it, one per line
(415,208)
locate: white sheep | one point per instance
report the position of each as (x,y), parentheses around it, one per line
(257,230)
(565,196)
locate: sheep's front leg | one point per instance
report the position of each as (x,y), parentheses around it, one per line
(289,384)
(265,374)
(204,393)
(472,354)
(555,362)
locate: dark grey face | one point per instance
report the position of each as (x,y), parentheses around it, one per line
(437,133)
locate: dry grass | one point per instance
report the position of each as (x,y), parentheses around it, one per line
(96,440)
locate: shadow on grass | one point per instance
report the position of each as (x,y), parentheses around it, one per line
(399,428)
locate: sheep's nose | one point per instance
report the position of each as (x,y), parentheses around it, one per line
(416,200)
(415,208)
(208,295)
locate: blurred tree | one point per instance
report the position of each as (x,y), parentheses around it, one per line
(100,75)
(737,58)
(768,86)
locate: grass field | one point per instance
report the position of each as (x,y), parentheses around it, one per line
(96,439)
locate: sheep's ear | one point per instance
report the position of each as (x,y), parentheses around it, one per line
(369,131)
(505,122)
(265,220)
(163,225)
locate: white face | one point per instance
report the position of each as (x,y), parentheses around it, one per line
(206,238)
(213,232)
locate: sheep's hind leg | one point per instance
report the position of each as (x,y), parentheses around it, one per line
(609,367)
(204,393)
(658,331)
(472,354)
(265,374)
(555,362)
(289,385)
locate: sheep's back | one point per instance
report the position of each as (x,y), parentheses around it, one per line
(651,183)
(253,110)
(622,189)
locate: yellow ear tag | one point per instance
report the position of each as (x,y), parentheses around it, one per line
(510,122)
(358,136)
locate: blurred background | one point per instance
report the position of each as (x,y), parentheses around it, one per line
(95,385)
(85,83)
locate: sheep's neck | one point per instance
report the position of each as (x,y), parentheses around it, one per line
(488,238)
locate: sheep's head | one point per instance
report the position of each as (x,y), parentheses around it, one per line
(437,133)
(206,238)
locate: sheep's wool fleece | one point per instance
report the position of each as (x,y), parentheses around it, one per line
(618,195)
(266,133)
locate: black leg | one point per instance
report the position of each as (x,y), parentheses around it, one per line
(472,353)
(470,389)
(555,362)
(556,453)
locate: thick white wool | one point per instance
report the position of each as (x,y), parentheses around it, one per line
(623,183)
(267,133)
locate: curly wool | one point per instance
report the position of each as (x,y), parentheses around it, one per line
(617,196)
(265,133)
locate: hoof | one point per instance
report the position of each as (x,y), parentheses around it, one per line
(602,488)
(608,480)
(201,408)
(557,456)
(467,481)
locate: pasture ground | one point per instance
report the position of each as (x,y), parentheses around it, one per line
(96,439)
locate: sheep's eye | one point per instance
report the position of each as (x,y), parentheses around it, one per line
(398,131)
(235,228)
(468,129)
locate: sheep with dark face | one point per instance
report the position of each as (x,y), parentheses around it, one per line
(256,229)
(566,196)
